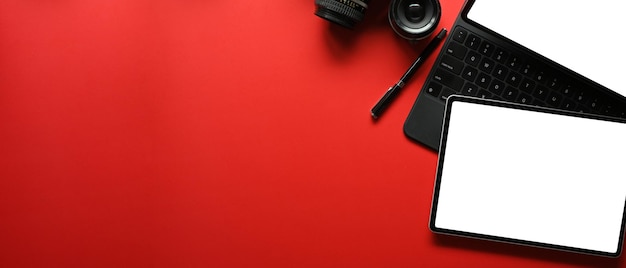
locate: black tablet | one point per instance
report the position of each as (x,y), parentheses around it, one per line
(530,175)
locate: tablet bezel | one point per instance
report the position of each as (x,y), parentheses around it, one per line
(441,158)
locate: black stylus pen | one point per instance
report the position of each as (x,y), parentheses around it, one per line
(392,92)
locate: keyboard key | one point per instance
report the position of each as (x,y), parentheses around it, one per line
(483,80)
(473,58)
(621,113)
(514,62)
(470,89)
(459,35)
(581,97)
(568,90)
(486,65)
(528,69)
(496,87)
(537,102)
(510,94)
(500,72)
(554,99)
(596,104)
(540,77)
(582,109)
(486,49)
(451,64)
(555,83)
(434,89)
(485,94)
(527,85)
(473,42)
(524,98)
(541,93)
(469,73)
(609,109)
(514,79)
(448,79)
(500,55)
(568,104)
(457,50)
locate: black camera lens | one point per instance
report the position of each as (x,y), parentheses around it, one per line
(414,19)
(346,13)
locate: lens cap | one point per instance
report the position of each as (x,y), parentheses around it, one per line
(414,19)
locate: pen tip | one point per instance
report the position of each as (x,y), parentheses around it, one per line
(442,33)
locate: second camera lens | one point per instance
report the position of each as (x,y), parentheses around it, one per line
(414,19)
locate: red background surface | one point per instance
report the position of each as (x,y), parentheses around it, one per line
(208,133)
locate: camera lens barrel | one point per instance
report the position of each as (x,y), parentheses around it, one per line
(414,19)
(346,13)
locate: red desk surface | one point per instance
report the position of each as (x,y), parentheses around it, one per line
(195,133)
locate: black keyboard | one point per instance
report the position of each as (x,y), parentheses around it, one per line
(475,67)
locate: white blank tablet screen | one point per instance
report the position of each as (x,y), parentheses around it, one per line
(533,176)
(580,35)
